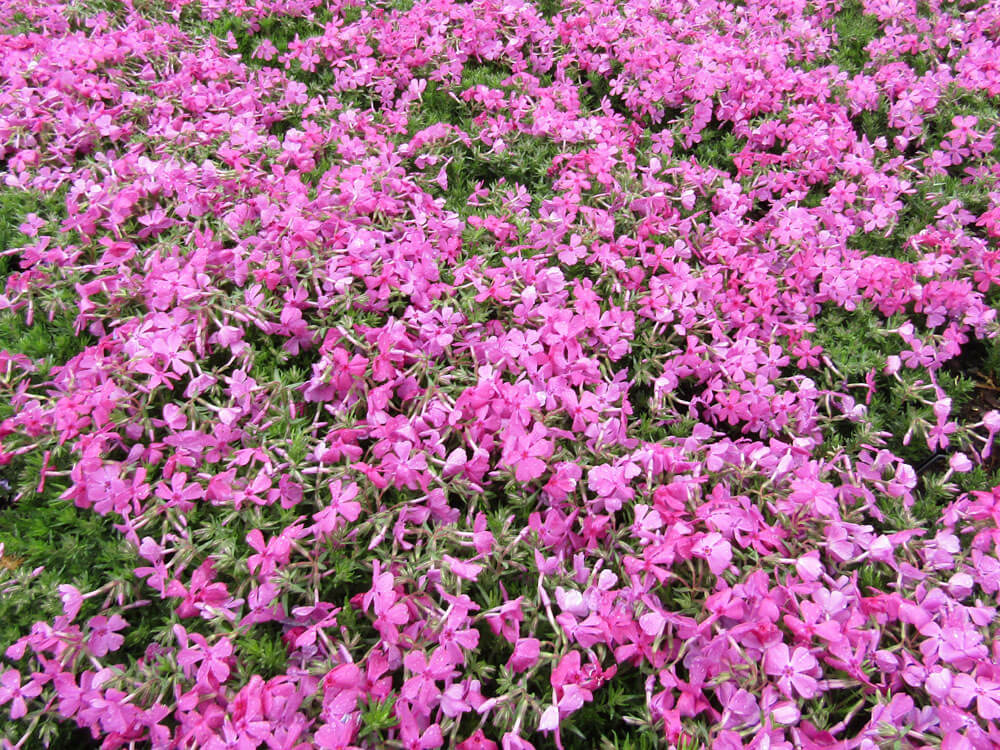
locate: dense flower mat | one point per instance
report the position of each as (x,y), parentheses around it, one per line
(490,374)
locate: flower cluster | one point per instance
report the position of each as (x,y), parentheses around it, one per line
(449,369)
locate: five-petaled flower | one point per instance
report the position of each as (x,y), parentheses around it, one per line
(795,670)
(11,691)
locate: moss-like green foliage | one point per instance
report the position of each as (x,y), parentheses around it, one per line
(855,30)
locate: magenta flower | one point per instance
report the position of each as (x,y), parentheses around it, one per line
(794,670)
(715,550)
(103,635)
(986,693)
(214,660)
(525,453)
(415,733)
(477,741)
(343,507)
(71,599)
(422,688)
(179,494)
(338,735)
(465,570)
(12,692)
(269,555)
(525,655)
(514,741)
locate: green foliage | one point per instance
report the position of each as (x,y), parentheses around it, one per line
(376,718)
(344,578)
(857,344)
(525,161)
(437,106)
(874,577)
(644,738)
(46,342)
(717,146)
(280,30)
(72,545)
(15,205)
(484,73)
(855,30)
(595,89)
(549,8)
(873,123)
(261,652)
(851,339)
(619,709)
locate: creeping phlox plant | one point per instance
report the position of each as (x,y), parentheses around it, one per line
(496,374)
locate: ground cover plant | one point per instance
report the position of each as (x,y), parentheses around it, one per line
(513,375)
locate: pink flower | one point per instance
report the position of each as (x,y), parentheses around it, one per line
(411,730)
(477,741)
(338,734)
(550,719)
(809,567)
(741,708)
(793,670)
(986,693)
(265,50)
(574,682)
(563,480)
(103,635)
(524,452)
(937,436)
(652,624)
(939,683)
(960,462)
(571,600)
(389,612)
(12,692)
(269,555)
(180,494)
(463,569)
(525,655)
(421,689)
(342,507)
(921,355)
(807,353)
(612,484)
(716,550)
(32,223)
(513,741)
(71,599)
(174,417)
(455,462)
(506,619)
(453,703)
(214,660)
